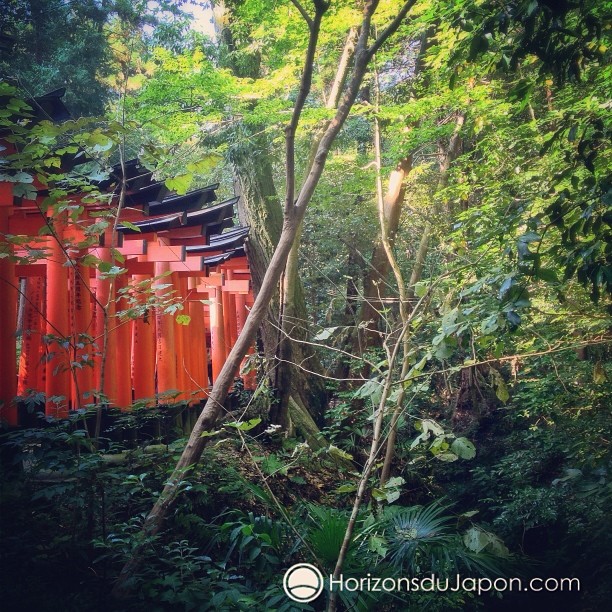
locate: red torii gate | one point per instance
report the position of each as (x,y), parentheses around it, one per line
(68,307)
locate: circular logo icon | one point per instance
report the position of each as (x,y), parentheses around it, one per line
(303,582)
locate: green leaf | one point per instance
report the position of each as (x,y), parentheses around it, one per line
(379,494)
(183,319)
(346,488)
(378,544)
(131,226)
(420,289)
(447,457)
(545,274)
(23,177)
(25,191)
(439,445)
(396,481)
(370,389)
(99,142)
(513,317)
(463,448)
(209,434)
(530,237)
(599,373)
(477,540)
(324,334)
(490,324)
(208,162)
(180,183)
(245,425)
(392,496)
(501,390)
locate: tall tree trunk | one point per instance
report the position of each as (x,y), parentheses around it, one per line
(293,321)
(259,207)
(375,282)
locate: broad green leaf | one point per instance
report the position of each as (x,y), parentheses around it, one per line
(346,488)
(131,226)
(545,274)
(447,457)
(324,334)
(378,544)
(180,183)
(477,540)
(463,448)
(439,445)
(379,494)
(392,496)
(395,481)
(420,289)
(245,425)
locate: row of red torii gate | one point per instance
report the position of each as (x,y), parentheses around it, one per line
(150,310)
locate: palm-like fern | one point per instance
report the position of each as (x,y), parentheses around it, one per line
(420,538)
(423,539)
(326,532)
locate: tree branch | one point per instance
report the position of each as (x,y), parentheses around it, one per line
(291,128)
(303,13)
(391,28)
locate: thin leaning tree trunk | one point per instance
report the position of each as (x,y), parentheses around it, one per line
(415,277)
(392,202)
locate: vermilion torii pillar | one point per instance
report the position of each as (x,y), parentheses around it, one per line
(123,331)
(106,335)
(197,335)
(164,334)
(143,346)
(183,369)
(58,372)
(83,331)
(217,332)
(8,316)
(31,358)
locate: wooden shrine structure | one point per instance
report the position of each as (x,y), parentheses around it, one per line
(66,311)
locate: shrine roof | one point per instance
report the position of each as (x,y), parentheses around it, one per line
(192,201)
(232,239)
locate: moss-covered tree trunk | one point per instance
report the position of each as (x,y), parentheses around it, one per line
(259,207)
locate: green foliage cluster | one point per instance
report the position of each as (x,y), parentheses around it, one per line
(75,515)
(506,394)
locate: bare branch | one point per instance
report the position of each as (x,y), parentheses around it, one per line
(291,128)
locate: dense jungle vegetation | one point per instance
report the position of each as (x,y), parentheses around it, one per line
(434,348)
